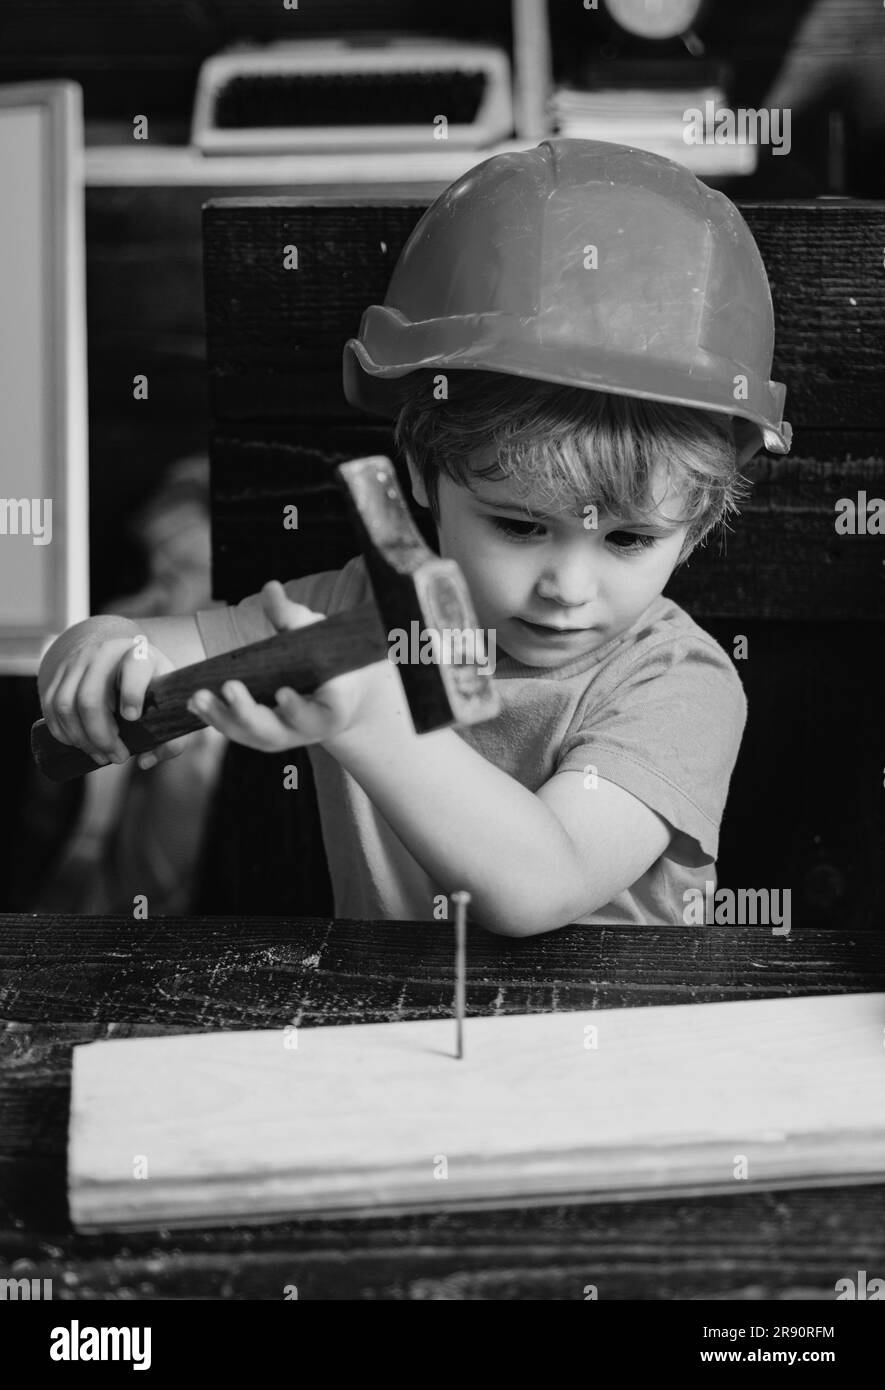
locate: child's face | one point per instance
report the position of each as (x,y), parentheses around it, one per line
(552,570)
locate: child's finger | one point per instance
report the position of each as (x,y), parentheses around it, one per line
(134,674)
(67,715)
(240,699)
(311,719)
(238,716)
(211,710)
(162,753)
(282,612)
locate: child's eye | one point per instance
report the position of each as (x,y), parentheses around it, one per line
(630,540)
(517,530)
(626,542)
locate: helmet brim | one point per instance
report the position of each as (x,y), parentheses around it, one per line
(380,388)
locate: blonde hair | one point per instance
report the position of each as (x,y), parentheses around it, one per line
(570,446)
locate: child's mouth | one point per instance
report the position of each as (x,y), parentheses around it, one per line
(554,634)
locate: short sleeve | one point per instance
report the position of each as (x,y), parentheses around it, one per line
(331,591)
(669,733)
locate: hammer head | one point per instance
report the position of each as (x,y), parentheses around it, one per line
(424,604)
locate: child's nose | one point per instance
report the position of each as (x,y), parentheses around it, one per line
(571,581)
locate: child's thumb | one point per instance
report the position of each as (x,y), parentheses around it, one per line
(282,612)
(163,752)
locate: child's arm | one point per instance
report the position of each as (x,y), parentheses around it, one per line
(532,862)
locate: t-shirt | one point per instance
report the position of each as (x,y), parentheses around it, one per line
(659,710)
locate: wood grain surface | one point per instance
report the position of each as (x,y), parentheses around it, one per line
(67,980)
(275,335)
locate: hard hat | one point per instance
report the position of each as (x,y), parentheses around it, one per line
(587,264)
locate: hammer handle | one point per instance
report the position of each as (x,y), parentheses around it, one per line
(302,659)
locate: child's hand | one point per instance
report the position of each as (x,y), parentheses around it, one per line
(97,676)
(296,720)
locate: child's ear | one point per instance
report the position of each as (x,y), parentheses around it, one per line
(419,491)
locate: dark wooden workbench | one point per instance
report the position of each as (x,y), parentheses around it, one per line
(65,980)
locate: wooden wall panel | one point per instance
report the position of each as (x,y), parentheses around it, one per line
(806,807)
(274,333)
(257,473)
(782,558)
(824,264)
(275,336)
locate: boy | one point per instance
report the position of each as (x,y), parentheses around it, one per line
(576,345)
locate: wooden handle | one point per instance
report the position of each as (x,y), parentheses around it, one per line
(303,659)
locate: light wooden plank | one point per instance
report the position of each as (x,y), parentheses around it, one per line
(122,166)
(244,1126)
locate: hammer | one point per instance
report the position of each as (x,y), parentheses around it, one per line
(409,582)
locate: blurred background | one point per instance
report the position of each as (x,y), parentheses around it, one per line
(230,111)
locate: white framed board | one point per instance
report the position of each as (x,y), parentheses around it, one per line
(44,537)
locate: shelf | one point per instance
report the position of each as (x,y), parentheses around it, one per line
(161,165)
